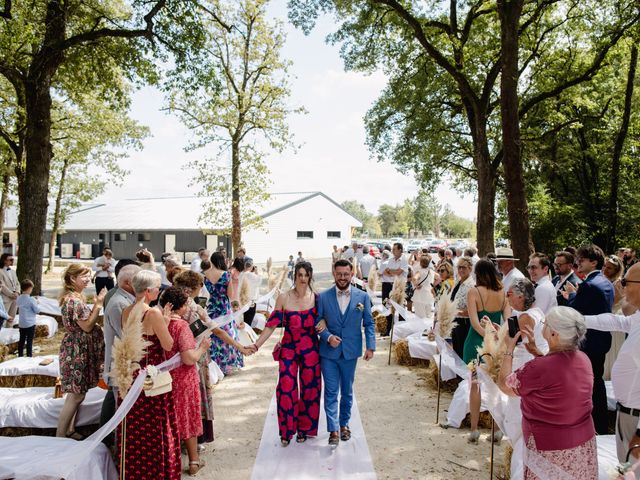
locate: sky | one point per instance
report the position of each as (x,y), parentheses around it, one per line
(333,157)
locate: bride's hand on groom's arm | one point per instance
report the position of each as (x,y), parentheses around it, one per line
(321,326)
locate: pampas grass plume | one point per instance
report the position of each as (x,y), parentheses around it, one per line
(244,292)
(493,349)
(398,292)
(372,280)
(445,313)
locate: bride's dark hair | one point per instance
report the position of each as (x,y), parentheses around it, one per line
(306,266)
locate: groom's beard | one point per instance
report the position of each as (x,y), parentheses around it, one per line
(343,284)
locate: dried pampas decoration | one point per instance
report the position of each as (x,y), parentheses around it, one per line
(372,280)
(445,313)
(269,265)
(245,292)
(398,292)
(129,349)
(493,349)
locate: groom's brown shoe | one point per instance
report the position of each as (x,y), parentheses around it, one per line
(345,434)
(334,439)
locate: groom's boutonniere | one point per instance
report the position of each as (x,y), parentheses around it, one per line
(360,307)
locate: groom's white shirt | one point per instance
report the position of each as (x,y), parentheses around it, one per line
(343,300)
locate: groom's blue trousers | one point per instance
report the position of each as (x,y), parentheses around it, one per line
(338,378)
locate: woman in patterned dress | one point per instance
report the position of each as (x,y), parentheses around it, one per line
(151,443)
(217,282)
(186,391)
(82,347)
(555,395)
(299,382)
(191,282)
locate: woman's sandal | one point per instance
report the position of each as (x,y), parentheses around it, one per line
(284,442)
(195,466)
(301,438)
(75,436)
(473,437)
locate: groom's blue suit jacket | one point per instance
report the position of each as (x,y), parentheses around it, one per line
(347,325)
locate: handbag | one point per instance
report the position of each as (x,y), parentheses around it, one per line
(198,328)
(157,382)
(277,350)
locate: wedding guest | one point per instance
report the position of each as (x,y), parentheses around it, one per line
(459,298)
(218,283)
(237,267)
(443,281)
(145,257)
(151,441)
(123,262)
(105,267)
(290,265)
(192,282)
(186,391)
(594,296)
(29,309)
(555,395)
(485,302)
(299,383)
(123,297)
(9,286)
(4,316)
(613,269)
(203,254)
(507,267)
(365,264)
(300,258)
(252,280)
(422,291)
(563,265)
(168,262)
(335,254)
(538,268)
(396,267)
(82,347)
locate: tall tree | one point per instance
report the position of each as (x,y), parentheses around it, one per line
(251,106)
(444,62)
(42,41)
(369,221)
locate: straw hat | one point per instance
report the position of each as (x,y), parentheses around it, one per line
(504,254)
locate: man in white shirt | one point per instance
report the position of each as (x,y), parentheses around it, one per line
(105,267)
(539,265)
(350,252)
(396,267)
(625,373)
(9,286)
(506,265)
(365,264)
(203,254)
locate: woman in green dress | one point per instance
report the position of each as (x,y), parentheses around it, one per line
(487,302)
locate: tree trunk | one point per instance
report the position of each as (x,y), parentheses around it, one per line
(4,202)
(517,209)
(56,214)
(486,201)
(236,224)
(617,153)
(32,219)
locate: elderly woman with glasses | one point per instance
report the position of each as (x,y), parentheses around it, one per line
(459,298)
(443,281)
(555,395)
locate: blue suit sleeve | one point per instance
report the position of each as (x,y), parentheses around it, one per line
(324,336)
(369,326)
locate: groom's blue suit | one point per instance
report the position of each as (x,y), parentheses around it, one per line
(339,363)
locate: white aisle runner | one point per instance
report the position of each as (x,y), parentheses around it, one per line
(313,459)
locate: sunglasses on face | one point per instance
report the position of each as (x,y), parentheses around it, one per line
(624,281)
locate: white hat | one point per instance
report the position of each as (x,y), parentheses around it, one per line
(504,254)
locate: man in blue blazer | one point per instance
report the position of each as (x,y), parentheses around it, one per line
(594,296)
(563,265)
(345,310)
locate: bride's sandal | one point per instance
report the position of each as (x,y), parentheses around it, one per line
(284,442)
(195,466)
(301,438)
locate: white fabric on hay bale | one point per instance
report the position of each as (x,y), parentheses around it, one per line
(30,366)
(27,457)
(49,306)
(49,322)
(607,456)
(35,407)
(409,327)
(259,321)
(459,406)
(247,336)
(9,336)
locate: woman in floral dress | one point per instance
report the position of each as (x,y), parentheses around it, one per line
(217,282)
(186,391)
(82,347)
(149,434)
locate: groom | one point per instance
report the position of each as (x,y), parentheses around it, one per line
(345,310)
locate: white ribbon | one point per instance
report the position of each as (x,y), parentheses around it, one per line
(450,359)
(268,297)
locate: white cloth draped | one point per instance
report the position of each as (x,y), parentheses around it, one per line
(30,366)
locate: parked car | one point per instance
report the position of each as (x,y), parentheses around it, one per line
(374,250)
(501,242)
(436,244)
(460,243)
(414,245)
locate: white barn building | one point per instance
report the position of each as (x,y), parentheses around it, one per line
(309,222)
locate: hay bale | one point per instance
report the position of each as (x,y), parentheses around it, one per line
(483,422)
(403,357)
(431,378)
(85,430)
(4,351)
(381,324)
(42,331)
(26,381)
(504,470)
